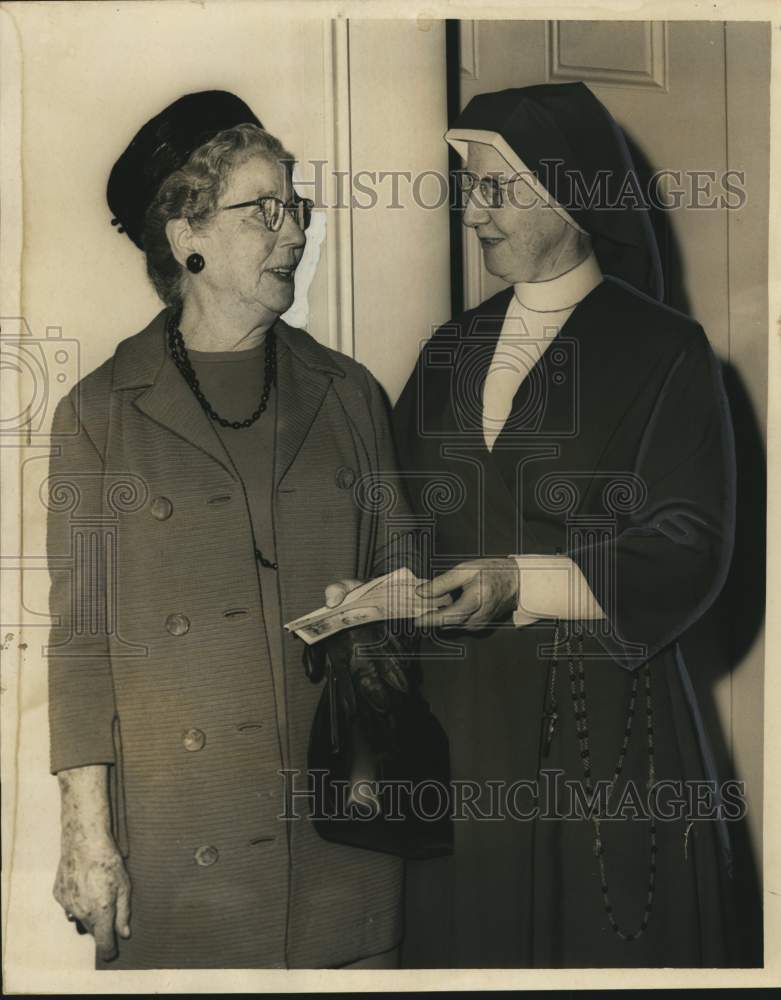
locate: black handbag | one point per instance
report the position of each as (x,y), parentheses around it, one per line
(378,758)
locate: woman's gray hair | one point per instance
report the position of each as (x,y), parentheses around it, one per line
(193,191)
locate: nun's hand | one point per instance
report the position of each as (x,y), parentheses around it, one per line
(489,594)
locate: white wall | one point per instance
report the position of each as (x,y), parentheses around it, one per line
(401,255)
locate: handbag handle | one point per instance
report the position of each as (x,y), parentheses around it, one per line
(333,717)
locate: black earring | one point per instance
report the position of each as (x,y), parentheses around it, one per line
(195,263)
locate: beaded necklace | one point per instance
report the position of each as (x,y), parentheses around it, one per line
(182,361)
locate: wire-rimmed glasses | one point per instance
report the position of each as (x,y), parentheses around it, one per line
(491,189)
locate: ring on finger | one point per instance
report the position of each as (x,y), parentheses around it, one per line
(73,919)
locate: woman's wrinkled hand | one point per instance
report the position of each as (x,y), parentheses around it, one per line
(93,886)
(335,593)
(489,594)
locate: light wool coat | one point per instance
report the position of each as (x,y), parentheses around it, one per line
(154,651)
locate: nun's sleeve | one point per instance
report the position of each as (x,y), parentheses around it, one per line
(668,557)
(552,586)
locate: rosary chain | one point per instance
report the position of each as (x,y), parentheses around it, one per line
(578,694)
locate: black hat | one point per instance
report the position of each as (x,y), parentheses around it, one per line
(162,146)
(559,130)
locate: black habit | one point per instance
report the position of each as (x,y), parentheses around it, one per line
(619,453)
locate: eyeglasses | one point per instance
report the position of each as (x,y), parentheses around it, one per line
(491,190)
(273,211)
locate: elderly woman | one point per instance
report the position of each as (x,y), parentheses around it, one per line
(200,497)
(588,428)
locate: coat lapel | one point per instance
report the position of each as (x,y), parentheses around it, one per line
(171,402)
(305,372)
(301,391)
(168,400)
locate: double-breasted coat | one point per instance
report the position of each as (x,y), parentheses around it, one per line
(618,452)
(155,658)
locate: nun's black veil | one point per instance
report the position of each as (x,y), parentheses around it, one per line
(562,130)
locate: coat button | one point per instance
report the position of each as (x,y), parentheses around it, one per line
(161,508)
(206,856)
(345,478)
(194,739)
(177,624)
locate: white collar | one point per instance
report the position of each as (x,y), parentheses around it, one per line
(561,292)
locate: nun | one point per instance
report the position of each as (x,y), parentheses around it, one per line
(581,430)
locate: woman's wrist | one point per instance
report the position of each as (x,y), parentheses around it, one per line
(85,808)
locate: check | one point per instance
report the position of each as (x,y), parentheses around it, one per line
(386,598)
